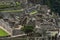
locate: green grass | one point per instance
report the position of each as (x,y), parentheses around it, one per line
(13,10)
(3,33)
(3,6)
(33,12)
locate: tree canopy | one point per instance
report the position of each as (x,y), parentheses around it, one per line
(27,29)
(54,5)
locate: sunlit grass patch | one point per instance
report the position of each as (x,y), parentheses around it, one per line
(33,12)
(13,10)
(3,33)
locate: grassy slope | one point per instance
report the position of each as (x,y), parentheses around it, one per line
(3,33)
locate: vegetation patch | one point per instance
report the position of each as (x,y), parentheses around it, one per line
(9,5)
(13,10)
(3,33)
(27,29)
(33,12)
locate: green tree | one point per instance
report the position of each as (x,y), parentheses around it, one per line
(54,5)
(27,29)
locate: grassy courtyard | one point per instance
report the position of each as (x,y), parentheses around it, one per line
(3,33)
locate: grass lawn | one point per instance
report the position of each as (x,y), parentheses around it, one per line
(33,12)
(3,33)
(13,10)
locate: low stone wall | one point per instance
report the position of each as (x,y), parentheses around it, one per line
(17,32)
